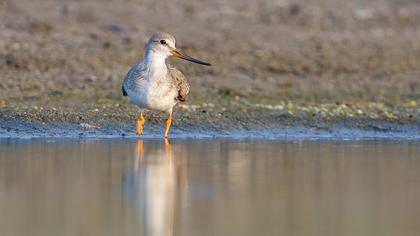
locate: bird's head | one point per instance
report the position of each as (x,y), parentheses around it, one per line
(164,44)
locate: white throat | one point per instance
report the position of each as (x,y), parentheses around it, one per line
(155,62)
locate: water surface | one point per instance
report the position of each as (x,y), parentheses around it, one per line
(209,187)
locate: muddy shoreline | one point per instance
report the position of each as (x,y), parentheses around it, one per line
(199,124)
(226,117)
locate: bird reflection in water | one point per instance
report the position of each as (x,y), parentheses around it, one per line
(154,187)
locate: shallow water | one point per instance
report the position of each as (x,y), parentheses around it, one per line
(208,187)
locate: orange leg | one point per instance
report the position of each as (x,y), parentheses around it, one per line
(140,123)
(168,124)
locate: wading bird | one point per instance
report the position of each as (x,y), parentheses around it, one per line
(153,85)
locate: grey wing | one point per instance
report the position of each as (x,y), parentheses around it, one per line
(134,74)
(181,83)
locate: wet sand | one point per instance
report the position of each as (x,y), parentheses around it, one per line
(301,130)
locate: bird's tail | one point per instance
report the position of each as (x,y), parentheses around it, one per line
(123,91)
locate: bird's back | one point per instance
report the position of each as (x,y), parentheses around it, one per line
(180,82)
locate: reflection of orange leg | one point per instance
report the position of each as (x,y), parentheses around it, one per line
(168,124)
(167,149)
(140,150)
(140,123)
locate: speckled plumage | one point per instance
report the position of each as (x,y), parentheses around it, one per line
(138,72)
(143,88)
(181,83)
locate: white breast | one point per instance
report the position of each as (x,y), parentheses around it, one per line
(156,94)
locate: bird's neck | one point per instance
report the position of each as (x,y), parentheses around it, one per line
(155,62)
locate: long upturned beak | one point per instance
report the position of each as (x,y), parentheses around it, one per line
(177,53)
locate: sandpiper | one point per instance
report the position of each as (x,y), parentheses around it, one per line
(151,84)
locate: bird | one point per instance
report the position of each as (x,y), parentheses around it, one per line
(154,85)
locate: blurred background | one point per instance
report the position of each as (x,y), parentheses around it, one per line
(272,52)
(298,69)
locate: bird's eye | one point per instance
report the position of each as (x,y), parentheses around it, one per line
(163,41)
